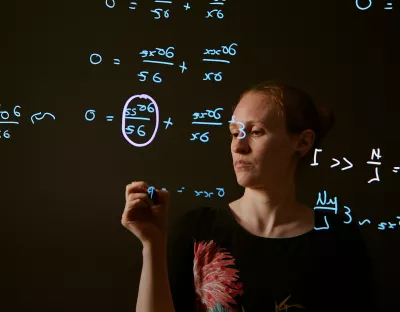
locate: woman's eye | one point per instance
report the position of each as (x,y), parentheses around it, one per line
(256,132)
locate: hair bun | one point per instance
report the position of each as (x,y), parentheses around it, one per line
(325,120)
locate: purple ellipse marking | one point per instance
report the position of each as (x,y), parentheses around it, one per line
(140,96)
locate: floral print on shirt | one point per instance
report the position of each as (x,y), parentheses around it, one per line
(216,284)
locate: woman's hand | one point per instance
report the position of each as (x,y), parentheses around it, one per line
(145,219)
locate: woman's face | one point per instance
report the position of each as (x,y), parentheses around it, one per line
(265,145)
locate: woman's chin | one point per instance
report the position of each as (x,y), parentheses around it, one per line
(245,180)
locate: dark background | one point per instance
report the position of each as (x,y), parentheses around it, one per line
(62,181)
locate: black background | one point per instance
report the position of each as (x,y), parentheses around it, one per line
(62,181)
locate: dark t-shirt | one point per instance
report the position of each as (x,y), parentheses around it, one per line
(214,264)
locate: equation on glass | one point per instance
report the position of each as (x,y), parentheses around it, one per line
(364,5)
(161,9)
(329,204)
(165,57)
(141,120)
(140,111)
(148,109)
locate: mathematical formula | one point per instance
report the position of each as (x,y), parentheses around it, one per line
(364,5)
(162,9)
(331,204)
(141,122)
(323,202)
(166,57)
(219,191)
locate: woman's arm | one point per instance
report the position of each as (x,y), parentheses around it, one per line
(167,280)
(154,291)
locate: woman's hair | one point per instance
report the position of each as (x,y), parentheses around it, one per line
(298,108)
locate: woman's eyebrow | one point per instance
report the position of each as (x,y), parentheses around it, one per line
(232,126)
(250,122)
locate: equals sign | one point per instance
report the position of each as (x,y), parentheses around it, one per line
(389,6)
(218,2)
(396,169)
(117,62)
(110,118)
(132,5)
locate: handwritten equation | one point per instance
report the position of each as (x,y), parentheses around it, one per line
(364,5)
(162,8)
(166,57)
(331,204)
(141,123)
(374,161)
(218,191)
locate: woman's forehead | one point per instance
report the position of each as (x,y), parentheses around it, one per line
(257,108)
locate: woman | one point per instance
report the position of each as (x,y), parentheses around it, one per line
(262,252)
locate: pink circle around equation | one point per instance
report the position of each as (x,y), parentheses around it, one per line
(140,96)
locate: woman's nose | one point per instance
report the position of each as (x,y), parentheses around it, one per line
(240,146)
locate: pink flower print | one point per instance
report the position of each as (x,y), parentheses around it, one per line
(215,283)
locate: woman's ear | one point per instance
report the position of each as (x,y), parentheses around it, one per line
(305,141)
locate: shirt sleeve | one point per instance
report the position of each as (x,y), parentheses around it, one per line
(180,253)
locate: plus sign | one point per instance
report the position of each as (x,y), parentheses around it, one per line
(187,6)
(168,122)
(183,66)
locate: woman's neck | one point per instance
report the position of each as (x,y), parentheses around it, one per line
(272,216)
